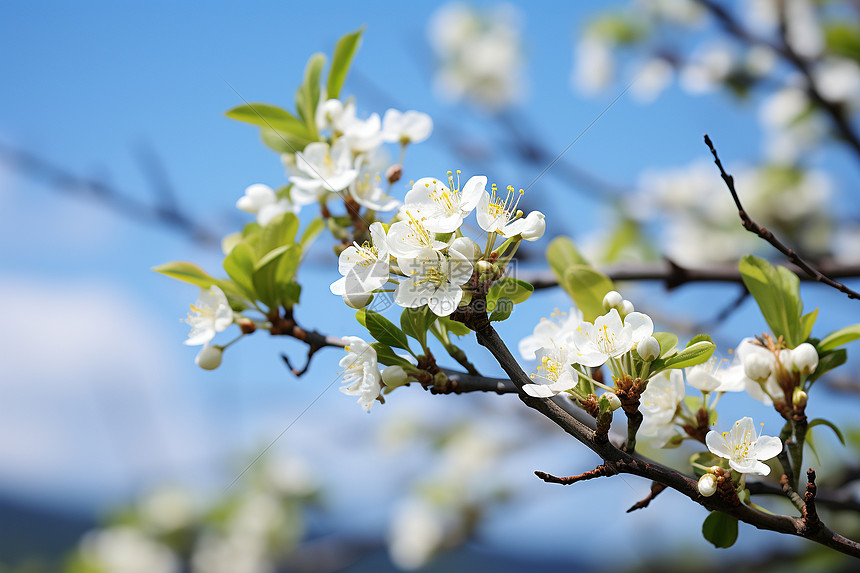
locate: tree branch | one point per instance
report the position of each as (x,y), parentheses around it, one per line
(623,462)
(656,489)
(757,229)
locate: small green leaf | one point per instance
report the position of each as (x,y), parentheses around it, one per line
(561,254)
(452,326)
(706,459)
(281,141)
(385,355)
(384,330)
(239,265)
(668,342)
(839,337)
(416,321)
(777,292)
(697,353)
(828,361)
(587,287)
(807,321)
(503,309)
(340,62)
(829,424)
(265,277)
(279,232)
(290,293)
(308,94)
(186,272)
(516,290)
(269,116)
(720,529)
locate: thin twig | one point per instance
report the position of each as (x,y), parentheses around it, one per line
(656,489)
(600,471)
(757,229)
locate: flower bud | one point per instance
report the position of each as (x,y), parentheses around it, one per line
(626,308)
(757,367)
(535,226)
(357,300)
(612,300)
(708,485)
(466,247)
(484,267)
(805,358)
(209,357)
(614,401)
(648,349)
(394,173)
(799,398)
(394,376)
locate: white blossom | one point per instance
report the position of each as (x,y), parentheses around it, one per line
(804,358)
(410,238)
(499,214)
(367,188)
(364,267)
(659,403)
(744,449)
(321,169)
(335,115)
(554,373)
(434,279)
(122,549)
(609,338)
(261,200)
(361,375)
(442,208)
(363,135)
(717,376)
(406,127)
(209,315)
(548,332)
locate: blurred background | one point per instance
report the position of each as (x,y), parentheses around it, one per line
(117,454)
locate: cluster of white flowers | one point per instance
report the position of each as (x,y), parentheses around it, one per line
(479,54)
(567,346)
(425,253)
(349,162)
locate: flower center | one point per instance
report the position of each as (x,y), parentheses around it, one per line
(504,207)
(605,339)
(367,252)
(419,232)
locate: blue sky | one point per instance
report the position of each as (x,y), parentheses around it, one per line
(104,394)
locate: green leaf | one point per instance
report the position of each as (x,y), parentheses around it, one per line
(416,321)
(706,459)
(827,362)
(270,117)
(283,142)
(696,353)
(311,232)
(699,338)
(452,326)
(561,254)
(514,289)
(290,293)
(385,355)
(829,424)
(239,265)
(843,39)
(587,287)
(382,329)
(265,277)
(308,94)
(668,342)
(839,337)
(340,62)
(279,232)
(807,321)
(503,309)
(777,292)
(720,529)
(186,272)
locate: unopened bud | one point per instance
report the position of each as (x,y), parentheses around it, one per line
(626,308)
(209,357)
(357,300)
(535,226)
(394,376)
(708,485)
(799,398)
(614,401)
(394,173)
(757,368)
(484,267)
(612,300)
(805,358)
(648,349)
